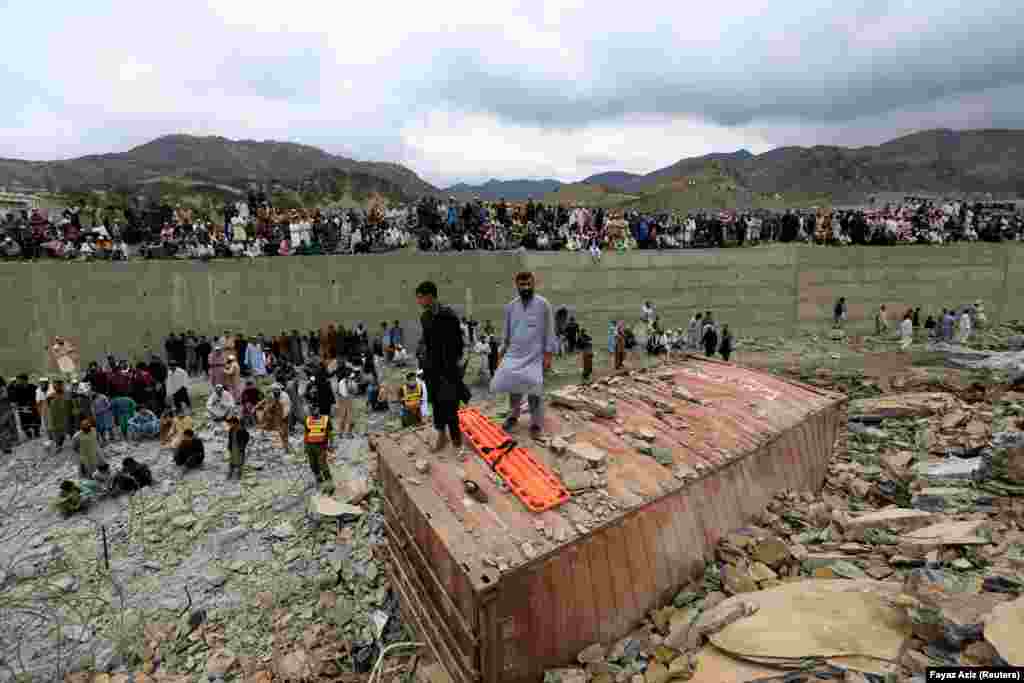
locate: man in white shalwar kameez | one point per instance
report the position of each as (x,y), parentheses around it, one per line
(964,333)
(526,353)
(906,331)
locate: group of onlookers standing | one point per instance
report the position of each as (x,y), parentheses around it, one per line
(952,325)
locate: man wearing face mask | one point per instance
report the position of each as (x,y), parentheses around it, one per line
(526,353)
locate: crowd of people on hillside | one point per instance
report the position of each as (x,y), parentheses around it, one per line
(254,228)
(248,229)
(483,225)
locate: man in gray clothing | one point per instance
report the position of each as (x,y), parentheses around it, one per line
(526,353)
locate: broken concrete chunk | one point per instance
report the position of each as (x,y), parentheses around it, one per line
(656,673)
(762,572)
(893,518)
(737,580)
(954,619)
(818,619)
(644,435)
(588,452)
(948,468)
(582,480)
(901,406)
(183,521)
(352,491)
(944,534)
(570,398)
(663,456)
(980,653)
(326,506)
(924,582)
(714,620)
(662,617)
(594,653)
(685,395)
(848,570)
(1003,630)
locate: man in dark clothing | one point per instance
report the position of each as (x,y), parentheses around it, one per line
(203,350)
(725,347)
(240,346)
(440,359)
(158,371)
(133,476)
(492,354)
(23,395)
(190,452)
(586,346)
(143,388)
(170,346)
(180,353)
(96,378)
(238,441)
(572,330)
(710,339)
(8,420)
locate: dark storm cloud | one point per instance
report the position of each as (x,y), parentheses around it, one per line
(825,71)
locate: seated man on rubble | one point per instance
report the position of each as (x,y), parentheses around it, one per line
(104,478)
(220,405)
(190,453)
(71,498)
(143,425)
(132,476)
(400,357)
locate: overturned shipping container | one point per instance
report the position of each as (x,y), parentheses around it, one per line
(661,464)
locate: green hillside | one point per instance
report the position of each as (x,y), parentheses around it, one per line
(586,194)
(710,187)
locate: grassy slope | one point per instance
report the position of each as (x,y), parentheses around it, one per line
(712,189)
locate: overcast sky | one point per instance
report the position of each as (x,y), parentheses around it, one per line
(469,90)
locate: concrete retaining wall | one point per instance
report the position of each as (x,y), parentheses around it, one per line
(776,290)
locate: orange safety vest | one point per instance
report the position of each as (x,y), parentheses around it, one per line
(411,396)
(316,430)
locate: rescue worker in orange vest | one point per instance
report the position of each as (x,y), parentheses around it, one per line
(318,439)
(412,397)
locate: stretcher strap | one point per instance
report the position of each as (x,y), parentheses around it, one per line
(532,482)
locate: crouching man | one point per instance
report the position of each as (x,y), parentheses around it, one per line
(190,453)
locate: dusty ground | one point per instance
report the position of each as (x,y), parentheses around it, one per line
(267,575)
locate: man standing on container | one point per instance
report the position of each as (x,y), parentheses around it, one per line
(440,357)
(526,353)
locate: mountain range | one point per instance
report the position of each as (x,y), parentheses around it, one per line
(208,160)
(510,190)
(933,161)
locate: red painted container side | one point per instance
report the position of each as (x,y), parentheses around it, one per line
(502,593)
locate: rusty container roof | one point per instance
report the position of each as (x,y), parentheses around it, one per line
(672,425)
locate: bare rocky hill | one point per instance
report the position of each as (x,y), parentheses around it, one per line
(933,161)
(207,159)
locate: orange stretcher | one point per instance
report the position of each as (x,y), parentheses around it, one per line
(531,480)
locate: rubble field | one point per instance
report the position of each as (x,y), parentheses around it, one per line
(911,555)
